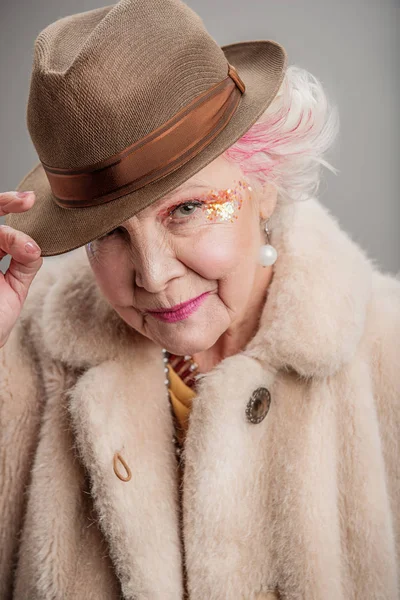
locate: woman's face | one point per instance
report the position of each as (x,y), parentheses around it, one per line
(202,240)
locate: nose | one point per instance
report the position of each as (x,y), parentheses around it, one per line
(155,262)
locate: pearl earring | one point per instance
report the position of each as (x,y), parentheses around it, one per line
(268,254)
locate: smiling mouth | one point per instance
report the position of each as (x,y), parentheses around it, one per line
(185,310)
(177,307)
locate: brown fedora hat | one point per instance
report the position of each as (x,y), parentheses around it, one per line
(127,102)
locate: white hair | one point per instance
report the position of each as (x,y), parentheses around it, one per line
(286,145)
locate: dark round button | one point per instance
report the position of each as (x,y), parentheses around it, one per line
(258,405)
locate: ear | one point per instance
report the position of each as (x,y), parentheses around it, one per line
(268,198)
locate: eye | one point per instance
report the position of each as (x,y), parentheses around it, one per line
(189,208)
(110,233)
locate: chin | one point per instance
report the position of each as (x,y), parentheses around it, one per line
(181,342)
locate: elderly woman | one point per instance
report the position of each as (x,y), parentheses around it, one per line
(201,400)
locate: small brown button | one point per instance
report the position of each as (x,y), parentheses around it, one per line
(258,405)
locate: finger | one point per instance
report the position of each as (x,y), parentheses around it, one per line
(18,244)
(15,202)
(19,276)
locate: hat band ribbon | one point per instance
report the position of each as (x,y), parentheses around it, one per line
(159,153)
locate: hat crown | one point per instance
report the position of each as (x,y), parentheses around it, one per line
(105,78)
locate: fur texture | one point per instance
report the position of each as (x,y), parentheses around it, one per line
(304,505)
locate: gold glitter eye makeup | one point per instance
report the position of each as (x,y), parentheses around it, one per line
(225,203)
(215,206)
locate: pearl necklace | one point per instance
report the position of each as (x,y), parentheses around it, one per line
(186,369)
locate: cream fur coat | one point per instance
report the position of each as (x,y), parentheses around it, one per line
(302,506)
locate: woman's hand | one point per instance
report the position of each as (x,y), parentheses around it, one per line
(25,262)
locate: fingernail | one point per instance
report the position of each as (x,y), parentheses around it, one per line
(23,194)
(31,247)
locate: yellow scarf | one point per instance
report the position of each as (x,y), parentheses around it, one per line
(181,399)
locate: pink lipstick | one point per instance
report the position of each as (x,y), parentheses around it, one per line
(183,311)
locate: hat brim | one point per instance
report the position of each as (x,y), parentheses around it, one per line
(261,64)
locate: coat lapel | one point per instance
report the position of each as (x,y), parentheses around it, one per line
(261,498)
(239,477)
(121,406)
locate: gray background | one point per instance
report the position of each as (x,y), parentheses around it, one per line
(353,48)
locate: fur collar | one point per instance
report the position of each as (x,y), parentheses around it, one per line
(312,319)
